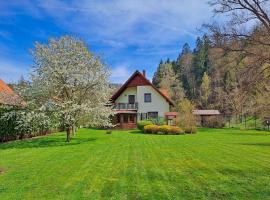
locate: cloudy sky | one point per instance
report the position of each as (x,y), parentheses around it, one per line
(128,34)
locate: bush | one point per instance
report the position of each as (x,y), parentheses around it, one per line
(143,123)
(190,129)
(165,129)
(175,130)
(151,129)
(108,131)
(214,122)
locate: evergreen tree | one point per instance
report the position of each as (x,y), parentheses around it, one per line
(201,61)
(165,78)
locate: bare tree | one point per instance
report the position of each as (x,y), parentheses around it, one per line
(245,40)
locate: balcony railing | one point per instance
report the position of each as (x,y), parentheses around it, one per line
(126,106)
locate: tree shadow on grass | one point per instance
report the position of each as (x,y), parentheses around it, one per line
(249,133)
(259,144)
(136,132)
(44,142)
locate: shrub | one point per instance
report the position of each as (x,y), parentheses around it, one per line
(165,129)
(214,122)
(175,130)
(159,121)
(142,124)
(190,129)
(186,117)
(151,129)
(108,131)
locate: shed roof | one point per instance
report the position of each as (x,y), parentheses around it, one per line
(206,112)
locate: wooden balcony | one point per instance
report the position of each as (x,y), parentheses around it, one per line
(126,106)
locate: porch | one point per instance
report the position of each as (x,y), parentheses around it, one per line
(125,119)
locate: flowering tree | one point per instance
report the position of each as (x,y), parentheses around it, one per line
(69,80)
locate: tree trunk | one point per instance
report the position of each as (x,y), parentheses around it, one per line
(68,134)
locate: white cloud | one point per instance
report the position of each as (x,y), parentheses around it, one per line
(11,71)
(120,74)
(130,22)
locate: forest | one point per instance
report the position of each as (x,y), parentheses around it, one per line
(229,68)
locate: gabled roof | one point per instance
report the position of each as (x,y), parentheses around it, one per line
(4,88)
(138,79)
(206,112)
(8,96)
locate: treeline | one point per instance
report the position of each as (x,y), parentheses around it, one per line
(214,78)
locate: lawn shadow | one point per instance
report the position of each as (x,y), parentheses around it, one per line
(136,132)
(44,142)
(260,144)
(247,132)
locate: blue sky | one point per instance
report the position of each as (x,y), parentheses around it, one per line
(128,34)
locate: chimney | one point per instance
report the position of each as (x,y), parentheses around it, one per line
(144,73)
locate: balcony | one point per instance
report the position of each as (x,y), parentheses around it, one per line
(126,106)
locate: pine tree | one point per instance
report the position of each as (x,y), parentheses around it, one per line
(165,78)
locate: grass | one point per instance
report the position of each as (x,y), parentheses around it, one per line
(212,164)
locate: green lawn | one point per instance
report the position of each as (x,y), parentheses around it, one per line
(212,164)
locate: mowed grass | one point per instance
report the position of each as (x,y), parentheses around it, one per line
(212,164)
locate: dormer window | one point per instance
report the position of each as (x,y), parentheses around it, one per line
(147,97)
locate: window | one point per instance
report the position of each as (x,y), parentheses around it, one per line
(152,115)
(143,116)
(147,97)
(131,99)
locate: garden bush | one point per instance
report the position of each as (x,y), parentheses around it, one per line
(143,123)
(108,131)
(175,130)
(190,129)
(151,129)
(214,122)
(164,129)
(20,123)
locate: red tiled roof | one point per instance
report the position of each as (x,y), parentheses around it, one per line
(138,79)
(4,88)
(7,95)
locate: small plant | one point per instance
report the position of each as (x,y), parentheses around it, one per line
(151,129)
(108,131)
(142,124)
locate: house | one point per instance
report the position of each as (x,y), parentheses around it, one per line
(8,96)
(202,115)
(138,99)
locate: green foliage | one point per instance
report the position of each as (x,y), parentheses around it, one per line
(141,124)
(18,123)
(108,131)
(165,78)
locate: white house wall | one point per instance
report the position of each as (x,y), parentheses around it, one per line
(158,103)
(123,98)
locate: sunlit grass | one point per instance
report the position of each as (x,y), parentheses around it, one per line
(212,164)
